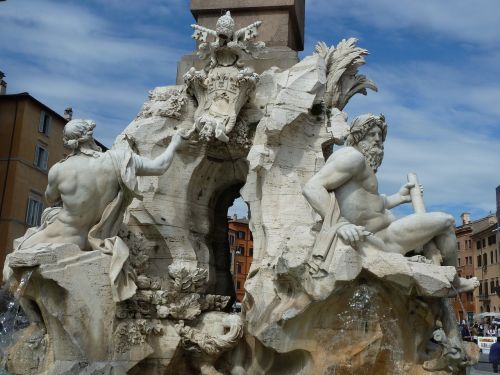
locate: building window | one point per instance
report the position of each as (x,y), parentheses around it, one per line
(491,240)
(491,257)
(484,242)
(492,286)
(480,289)
(238,285)
(44,123)
(241,235)
(41,157)
(238,268)
(478,244)
(485,260)
(458,245)
(231,240)
(34,210)
(250,252)
(470,244)
(240,250)
(479,260)
(485,288)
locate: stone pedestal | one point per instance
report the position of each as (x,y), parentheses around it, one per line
(68,300)
(282,20)
(282,30)
(280,56)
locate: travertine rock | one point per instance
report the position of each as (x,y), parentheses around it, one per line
(329,292)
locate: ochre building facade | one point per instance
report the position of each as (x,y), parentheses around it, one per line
(30,143)
(241,246)
(478,256)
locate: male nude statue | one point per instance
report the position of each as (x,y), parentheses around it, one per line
(363,213)
(94,188)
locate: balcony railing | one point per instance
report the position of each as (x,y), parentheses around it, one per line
(484,297)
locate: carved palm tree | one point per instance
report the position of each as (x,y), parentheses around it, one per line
(342,78)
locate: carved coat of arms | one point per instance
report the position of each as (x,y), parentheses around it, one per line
(224,85)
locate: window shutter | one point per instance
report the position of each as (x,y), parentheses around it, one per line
(29,214)
(39,210)
(40,123)
(37,155)
(49,125)
(45,159)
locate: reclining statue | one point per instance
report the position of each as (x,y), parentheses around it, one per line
(345,194)
(93,190)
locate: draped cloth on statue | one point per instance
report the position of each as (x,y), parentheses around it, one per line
(104,235)
(327,240)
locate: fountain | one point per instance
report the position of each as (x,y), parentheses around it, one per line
(140,282)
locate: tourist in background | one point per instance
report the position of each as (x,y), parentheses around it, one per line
(495,355)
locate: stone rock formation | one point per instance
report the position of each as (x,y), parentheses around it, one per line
(329,291)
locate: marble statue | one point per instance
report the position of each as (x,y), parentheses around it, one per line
(345,194)
(94,189)
(144,286)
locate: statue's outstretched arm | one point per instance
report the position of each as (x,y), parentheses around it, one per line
(159,165)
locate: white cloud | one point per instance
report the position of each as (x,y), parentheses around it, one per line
(476,22)
(239,208)
(65,54)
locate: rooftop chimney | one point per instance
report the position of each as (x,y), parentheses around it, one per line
(235,217)
(68,113)
(3,84)
(465,218)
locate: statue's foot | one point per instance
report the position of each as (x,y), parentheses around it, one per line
(465,285)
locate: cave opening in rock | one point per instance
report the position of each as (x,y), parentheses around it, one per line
(231,244)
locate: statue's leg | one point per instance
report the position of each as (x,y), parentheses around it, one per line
(447,243)
(416,230)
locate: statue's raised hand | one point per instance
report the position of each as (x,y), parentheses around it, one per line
(352,234)
(404,192)
(180,139)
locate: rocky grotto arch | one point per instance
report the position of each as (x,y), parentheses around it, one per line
(215,184)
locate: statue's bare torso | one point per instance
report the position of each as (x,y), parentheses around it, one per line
(358,198)
(85,185)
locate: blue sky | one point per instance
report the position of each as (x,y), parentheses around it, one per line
(436,63)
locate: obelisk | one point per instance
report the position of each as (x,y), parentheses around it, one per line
(282,29)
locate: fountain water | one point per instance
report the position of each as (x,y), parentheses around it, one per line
(13,319)
(365,320)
